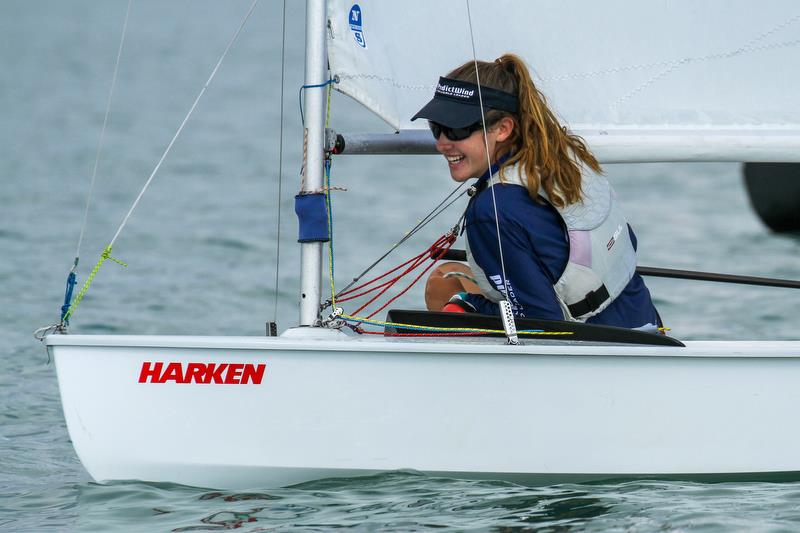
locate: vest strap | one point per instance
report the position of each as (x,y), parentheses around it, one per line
(592,301)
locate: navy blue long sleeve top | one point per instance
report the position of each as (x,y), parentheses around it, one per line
(535,248)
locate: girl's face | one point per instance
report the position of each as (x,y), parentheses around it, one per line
(467,158)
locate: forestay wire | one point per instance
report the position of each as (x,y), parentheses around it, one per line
(486,144)
(183,123)
(505,311)
(106,254)
(102,133)
(280,167)
(71,276)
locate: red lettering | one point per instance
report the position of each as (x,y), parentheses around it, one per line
(233,377)
(151,372)
(215,374)
(253,374)
(173,372)
(195,372)
(209,370)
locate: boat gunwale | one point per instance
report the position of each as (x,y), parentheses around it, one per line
(344,343)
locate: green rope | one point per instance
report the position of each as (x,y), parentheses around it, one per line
(103,256)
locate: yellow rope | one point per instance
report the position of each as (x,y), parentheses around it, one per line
(327,189)
(443,329)
(328,110)
(330,251)
(103,257)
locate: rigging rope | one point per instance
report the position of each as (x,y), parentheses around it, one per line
(103,132)
(486,143)
(183,123)
(335,79)
(437,330)
(435,251)
(327,84)
(506,311)
(106,254)
(435,212)
(71,275)
(103,257)
(328,205)
(280,167)
(347,295)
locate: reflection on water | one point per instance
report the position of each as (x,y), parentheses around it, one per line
(238,497)
(229,519)
(410,501)
(562,510)
(399,501)
(222,520)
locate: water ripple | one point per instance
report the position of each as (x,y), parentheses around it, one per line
(403,501)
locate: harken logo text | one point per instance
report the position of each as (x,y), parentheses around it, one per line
(204,373)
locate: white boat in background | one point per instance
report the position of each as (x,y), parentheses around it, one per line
(314,402)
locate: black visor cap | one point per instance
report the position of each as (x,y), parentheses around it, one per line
(456,103)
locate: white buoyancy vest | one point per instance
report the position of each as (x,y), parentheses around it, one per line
(602,259)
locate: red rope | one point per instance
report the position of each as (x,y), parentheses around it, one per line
(389,283)
(388,286)
(341,296)
(434,252)
(441,334)
(435,259)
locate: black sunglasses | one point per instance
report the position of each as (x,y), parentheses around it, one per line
(454,134)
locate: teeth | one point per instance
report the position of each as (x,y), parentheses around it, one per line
(454,158)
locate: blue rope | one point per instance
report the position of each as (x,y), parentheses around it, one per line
(304,87)
(71,281)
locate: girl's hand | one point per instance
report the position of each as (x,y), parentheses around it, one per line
(445,281)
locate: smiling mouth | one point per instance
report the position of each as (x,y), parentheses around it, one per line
(454,159)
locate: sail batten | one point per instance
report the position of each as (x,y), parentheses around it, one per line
(720,73)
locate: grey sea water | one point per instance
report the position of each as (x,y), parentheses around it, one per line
(202,251)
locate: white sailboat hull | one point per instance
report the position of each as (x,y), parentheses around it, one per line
(329,405)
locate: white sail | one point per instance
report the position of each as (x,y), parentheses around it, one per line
(686,80)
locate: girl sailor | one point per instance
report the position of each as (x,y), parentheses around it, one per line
(543,227)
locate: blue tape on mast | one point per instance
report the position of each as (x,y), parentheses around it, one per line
(312,214)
